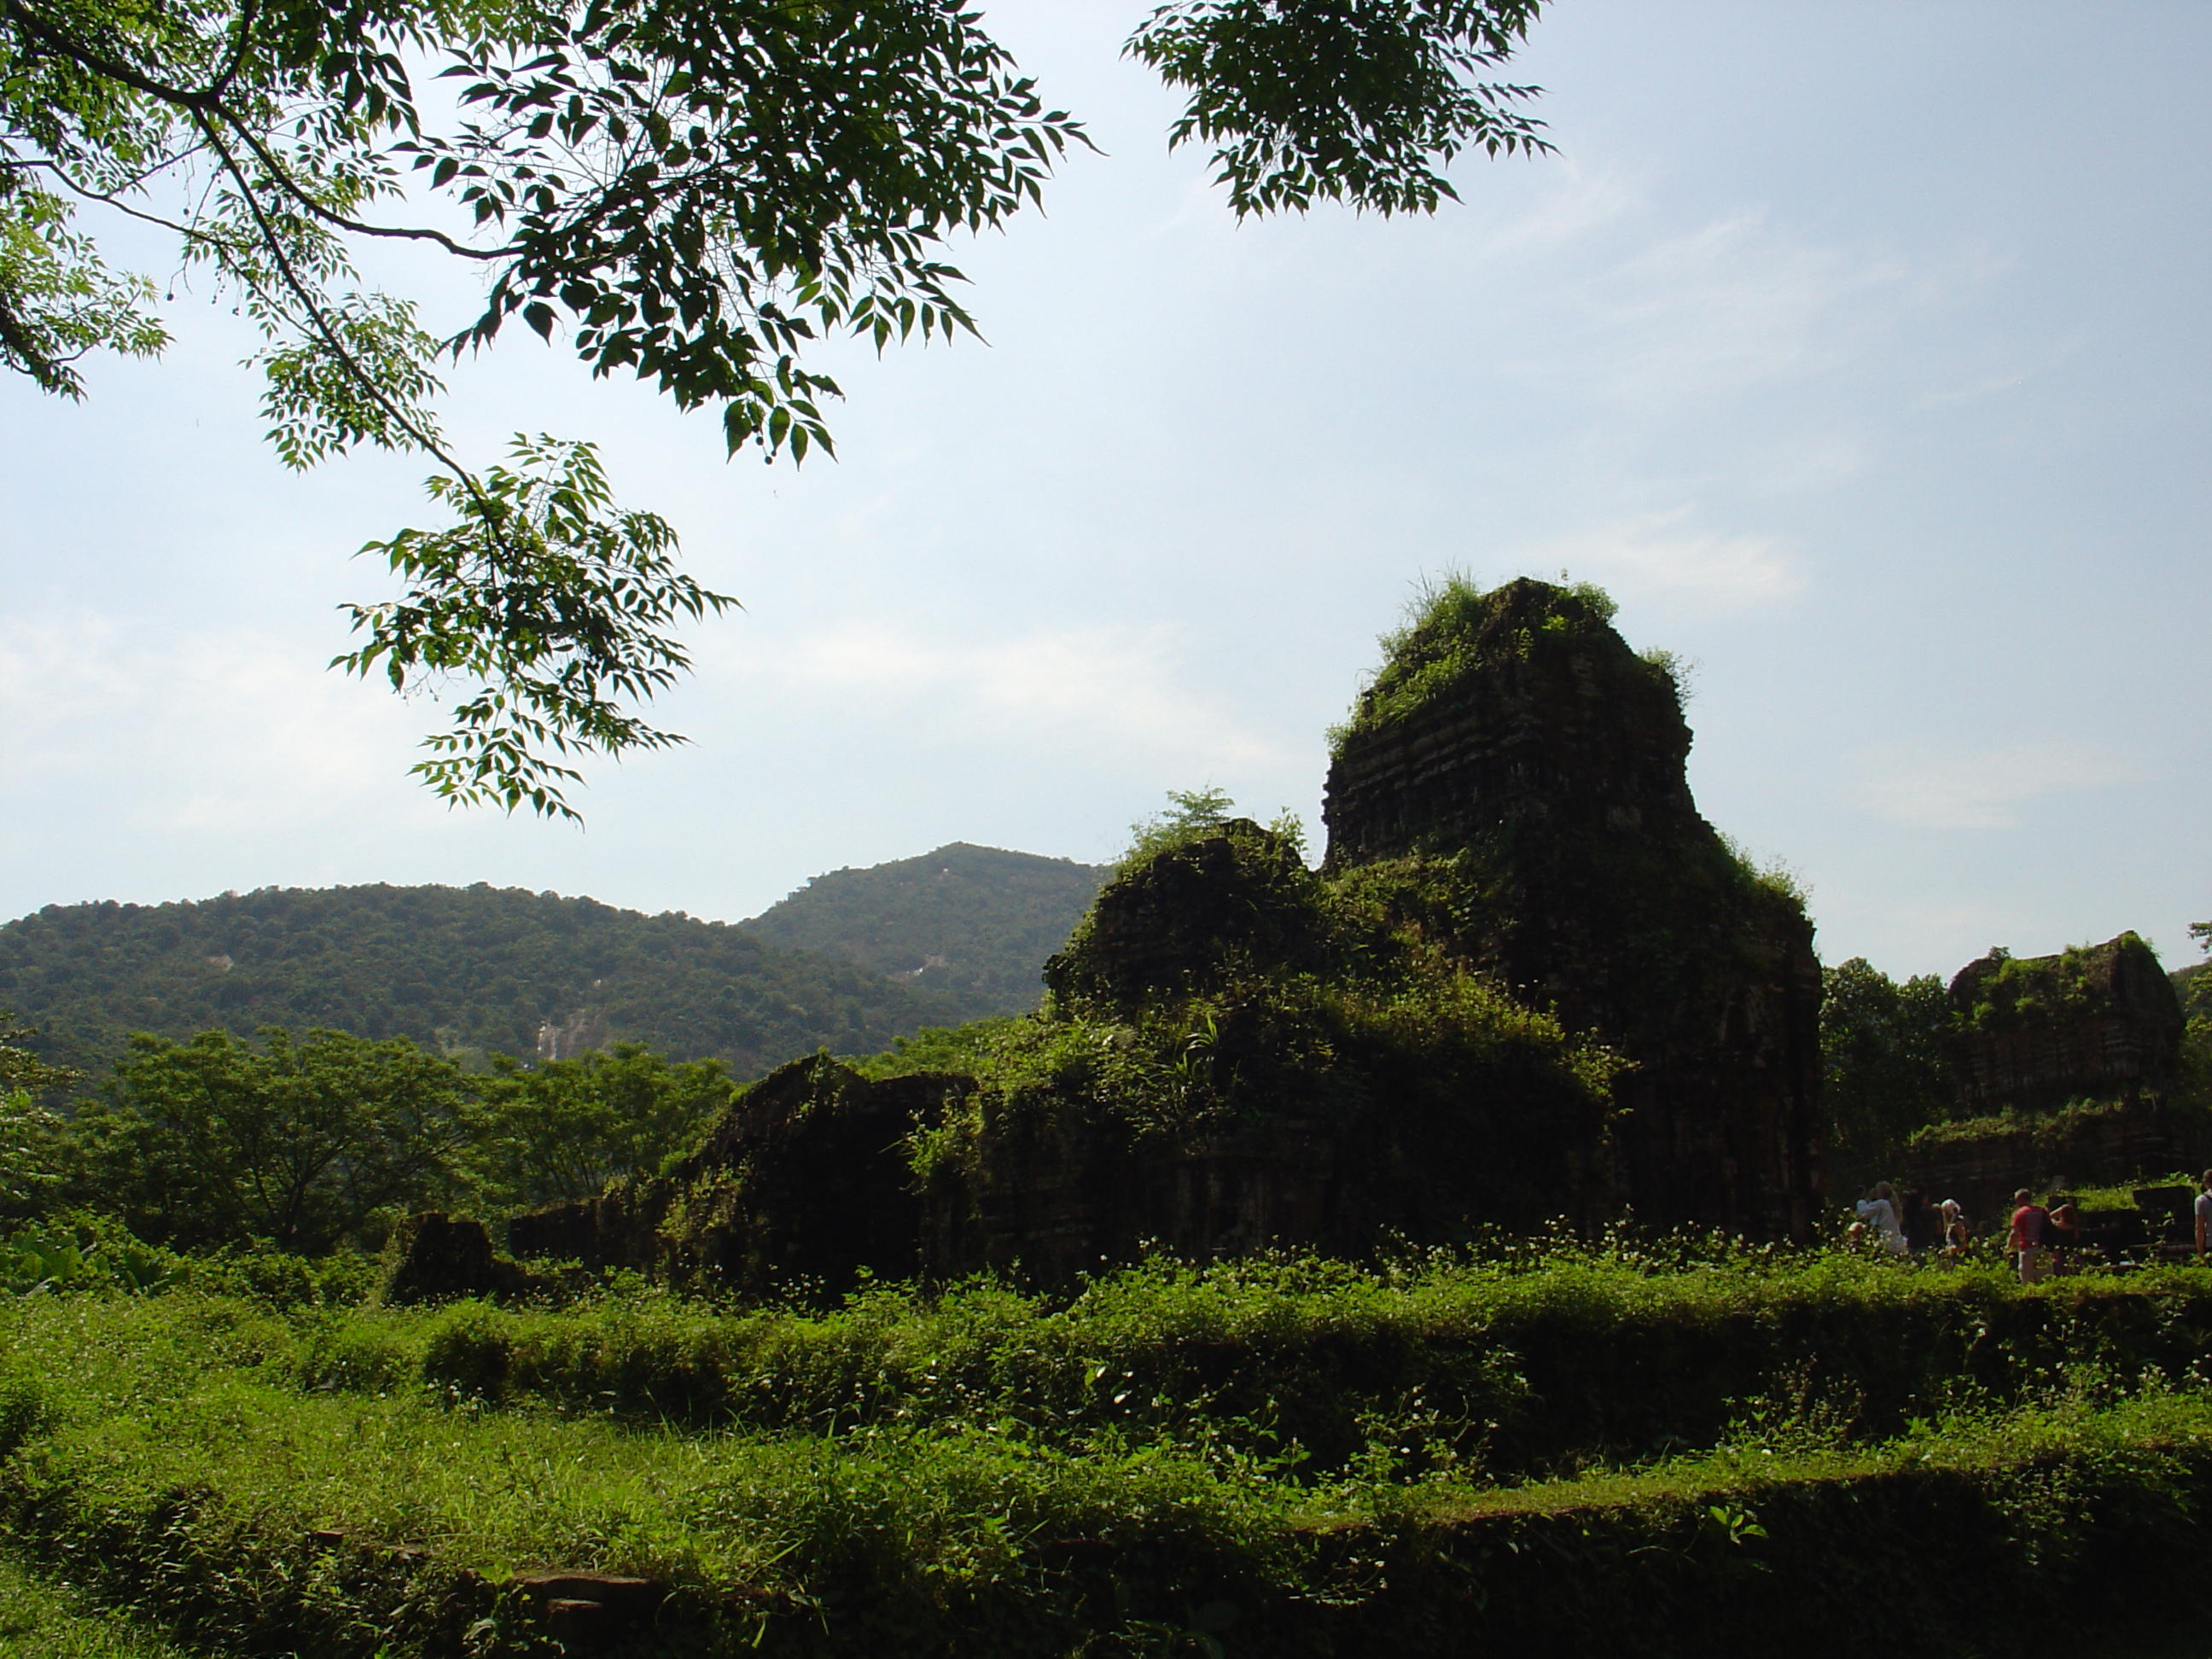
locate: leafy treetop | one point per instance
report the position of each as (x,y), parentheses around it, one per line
(692,191)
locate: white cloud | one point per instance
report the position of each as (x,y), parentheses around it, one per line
(1661,554)
(1985,788)
(1080,685)
(1739,302)
(217,728)
(1583,203)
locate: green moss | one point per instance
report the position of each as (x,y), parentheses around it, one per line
(1451,632)
(2004,993)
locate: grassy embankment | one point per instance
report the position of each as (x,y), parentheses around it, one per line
(1588,1451)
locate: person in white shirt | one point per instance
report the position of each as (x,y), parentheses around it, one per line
(2204,1214)
(1878,1209)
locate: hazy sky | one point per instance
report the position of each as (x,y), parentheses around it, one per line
(1861,350)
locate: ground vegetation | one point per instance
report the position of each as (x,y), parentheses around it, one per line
(1648,1447)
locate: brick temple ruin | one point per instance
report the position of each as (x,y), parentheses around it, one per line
(2061,1066)
(1508,800)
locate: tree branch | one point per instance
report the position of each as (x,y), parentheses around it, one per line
(86,57)
(284,181)
(328,334)
(191,233)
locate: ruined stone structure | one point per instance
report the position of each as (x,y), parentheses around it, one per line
(1516,735)
(2061,1065)
(2031,1033)
(2115,1145)
(437,1257)
(1242,1053)
(803,1182)
(807,1185)
(1269,1122)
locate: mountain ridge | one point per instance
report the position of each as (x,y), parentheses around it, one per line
(976,922)
(477,970)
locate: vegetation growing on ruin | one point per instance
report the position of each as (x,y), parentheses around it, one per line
(2052,1131)
(2005,993)
(1447,637)
(1219,985)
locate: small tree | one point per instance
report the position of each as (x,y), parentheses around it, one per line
(302,1144)
(35,1145)
(1883,1065)
(565,1128)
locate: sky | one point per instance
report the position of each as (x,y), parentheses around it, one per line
(1860,351)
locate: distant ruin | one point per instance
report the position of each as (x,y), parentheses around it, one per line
(1528,982)
(2061,1065)
(2030,1034)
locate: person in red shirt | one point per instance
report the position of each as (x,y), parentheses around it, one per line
(2030,1233)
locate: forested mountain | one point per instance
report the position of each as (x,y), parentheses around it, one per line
(976,922)
(478,969)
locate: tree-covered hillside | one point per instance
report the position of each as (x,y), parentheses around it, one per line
(479,968)
(976,922)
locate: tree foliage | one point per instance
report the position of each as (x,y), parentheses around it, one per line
(551,605)
(1350,100)
(303,1144)
(565,1128)
(33,1139)
(326,1140)
(696,192)
(2194,983)
(1881,1053)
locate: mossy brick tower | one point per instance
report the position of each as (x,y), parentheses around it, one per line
(1515,751)
(1417,1043)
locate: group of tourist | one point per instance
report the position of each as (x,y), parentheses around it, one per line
(1909,1225)
(2039,1241)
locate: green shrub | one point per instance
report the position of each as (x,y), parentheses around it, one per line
(469,1351)
(364,1354)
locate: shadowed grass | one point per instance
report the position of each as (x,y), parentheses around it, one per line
(41,1620)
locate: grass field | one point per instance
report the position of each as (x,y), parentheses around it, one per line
(43,1621)
(1593,1451)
